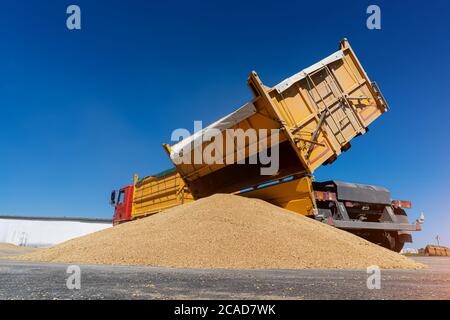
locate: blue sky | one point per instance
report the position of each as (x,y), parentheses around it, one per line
(84,110)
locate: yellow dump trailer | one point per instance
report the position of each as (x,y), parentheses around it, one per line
(155,193)
(149,195)
(317,111)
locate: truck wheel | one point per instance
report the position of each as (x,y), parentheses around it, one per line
(398,244)
(404,236)
(392,241)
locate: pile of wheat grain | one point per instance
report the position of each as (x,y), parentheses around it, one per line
(8,249)
(225,231)
(8,246)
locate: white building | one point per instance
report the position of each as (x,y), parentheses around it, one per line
(409,251)
(46,231)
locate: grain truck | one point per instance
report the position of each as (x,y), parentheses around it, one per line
(149,195)
(315,114)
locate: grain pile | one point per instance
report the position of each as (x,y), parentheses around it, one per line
(224,231)
(13,247)
(8,249)
(9,246)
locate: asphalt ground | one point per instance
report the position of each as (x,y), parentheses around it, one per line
(25,280)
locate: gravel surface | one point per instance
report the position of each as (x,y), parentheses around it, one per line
(225,231)
(32,280)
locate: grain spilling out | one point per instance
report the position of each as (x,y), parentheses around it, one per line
(224,231)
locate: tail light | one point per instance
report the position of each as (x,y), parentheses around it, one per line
(324,196)
(401,204)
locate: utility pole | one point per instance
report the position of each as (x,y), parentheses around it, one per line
(437,239)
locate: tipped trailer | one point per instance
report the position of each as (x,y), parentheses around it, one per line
(318,111)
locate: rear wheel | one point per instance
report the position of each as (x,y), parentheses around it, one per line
(391,241)
(395,240)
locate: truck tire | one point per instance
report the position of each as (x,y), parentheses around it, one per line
(403,236)
(394,240)
(398,246)
(391,241)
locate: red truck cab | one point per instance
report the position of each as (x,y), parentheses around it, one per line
(123,204)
